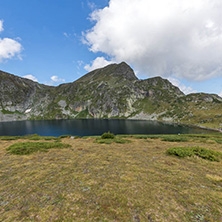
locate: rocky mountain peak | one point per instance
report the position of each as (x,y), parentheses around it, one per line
(122,70)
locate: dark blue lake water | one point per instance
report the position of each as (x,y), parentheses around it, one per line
(92,127)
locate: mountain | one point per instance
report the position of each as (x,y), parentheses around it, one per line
(110,92)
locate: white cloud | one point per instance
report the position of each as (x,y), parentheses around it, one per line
(181,86)
(31,77)
(220,94)
(99,62)
(9,47)
(66,34)
(1,25)
(91,5)
(182,38)
(57,79)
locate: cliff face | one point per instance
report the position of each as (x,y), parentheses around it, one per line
(110,92)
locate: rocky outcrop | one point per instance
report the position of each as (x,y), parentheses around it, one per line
(110,92)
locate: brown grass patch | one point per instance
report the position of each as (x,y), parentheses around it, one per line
(110,182)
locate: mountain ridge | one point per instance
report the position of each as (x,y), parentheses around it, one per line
(113,91)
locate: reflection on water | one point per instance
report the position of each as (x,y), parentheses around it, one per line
(87,127)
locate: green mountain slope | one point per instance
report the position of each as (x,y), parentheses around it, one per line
(110,92)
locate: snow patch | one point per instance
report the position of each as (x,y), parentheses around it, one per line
(28,111)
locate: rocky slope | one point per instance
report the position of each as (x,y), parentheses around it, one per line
(110,92)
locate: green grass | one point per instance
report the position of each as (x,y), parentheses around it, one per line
(68,136)
(217,137)
(108,138)
(169,138)
(195,151)
(176,138)
(32,147)
(109,141)
(29,137)
(10,112)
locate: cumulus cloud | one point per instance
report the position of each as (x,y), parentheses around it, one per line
(181,38)
(57,79)
(31,77)
(220,94)
(9,48)
(185,89)
(97,63)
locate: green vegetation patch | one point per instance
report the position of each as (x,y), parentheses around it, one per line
(69,136)
(108,136)
(29,137)
(140,136)
(10,112)
(109,141)
(175,138)
(169,138)
(32,147)
(195,151)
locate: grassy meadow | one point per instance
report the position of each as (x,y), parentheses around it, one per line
(126,178)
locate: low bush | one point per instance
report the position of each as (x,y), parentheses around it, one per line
(181,151)
(175,138)
(192,151)
(31,147)
(108,136)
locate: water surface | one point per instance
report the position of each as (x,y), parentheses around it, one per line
(89,127)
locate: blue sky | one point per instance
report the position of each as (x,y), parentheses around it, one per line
(58,41)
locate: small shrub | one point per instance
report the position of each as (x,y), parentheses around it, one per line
(31,147)
(207,154)
(178,138)
(192,151)
(108,136)
(181,151)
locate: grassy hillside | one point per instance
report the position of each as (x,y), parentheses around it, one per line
(110,92)
(135,180)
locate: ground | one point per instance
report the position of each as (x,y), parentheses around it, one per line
(89,181)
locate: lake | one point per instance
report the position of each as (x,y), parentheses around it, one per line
(89,127)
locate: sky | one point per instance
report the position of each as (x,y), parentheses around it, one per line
(58,41)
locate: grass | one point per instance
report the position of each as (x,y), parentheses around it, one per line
(9,112)
(32,147)
(195,151)
(207,138)
(89,181)
(108,138)
(29,137)
(109,141)
(177,138)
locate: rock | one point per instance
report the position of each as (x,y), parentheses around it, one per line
(110,92)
